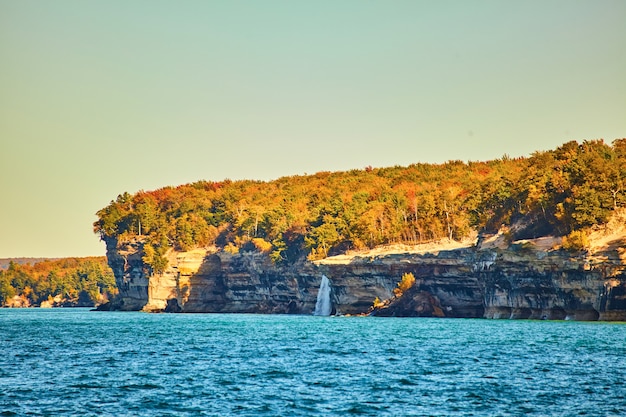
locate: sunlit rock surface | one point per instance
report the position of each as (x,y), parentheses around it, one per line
(524,280)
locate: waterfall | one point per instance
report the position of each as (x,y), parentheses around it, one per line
(323,306)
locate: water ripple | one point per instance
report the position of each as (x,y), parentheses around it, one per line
(76,363)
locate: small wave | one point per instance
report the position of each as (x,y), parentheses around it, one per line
(87,386)
(324,384)
(132,387)
(159,405)
(405,381)
(362,409)
(278,374)
(326,351)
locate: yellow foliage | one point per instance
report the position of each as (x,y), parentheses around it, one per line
(262,245)
(406,282)
(316,254)
(560,213)
(358,244)
(378,303)
(27,291)
(576,241)
(230,248)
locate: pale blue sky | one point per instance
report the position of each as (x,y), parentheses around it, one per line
(102,97)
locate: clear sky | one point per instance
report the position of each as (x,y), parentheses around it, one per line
(102,97)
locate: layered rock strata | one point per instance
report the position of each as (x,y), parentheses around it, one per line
(527,284)
(519,282)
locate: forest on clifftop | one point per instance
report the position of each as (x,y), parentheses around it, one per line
(558,192)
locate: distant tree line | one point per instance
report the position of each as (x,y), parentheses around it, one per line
(557,192)
(60,282)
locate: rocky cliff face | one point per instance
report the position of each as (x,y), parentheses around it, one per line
(202,281)
(446,275)
(527,284)
(519,281)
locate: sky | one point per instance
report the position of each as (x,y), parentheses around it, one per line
(102,97)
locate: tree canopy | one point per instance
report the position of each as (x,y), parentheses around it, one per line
(551,192)
(71,281)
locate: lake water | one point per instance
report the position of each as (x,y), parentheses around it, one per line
(72,362)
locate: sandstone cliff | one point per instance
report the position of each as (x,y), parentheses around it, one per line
(525,280)
(209,281)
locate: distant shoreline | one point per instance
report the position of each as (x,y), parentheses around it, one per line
(5,262)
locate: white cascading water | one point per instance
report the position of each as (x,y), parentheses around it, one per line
(323,306)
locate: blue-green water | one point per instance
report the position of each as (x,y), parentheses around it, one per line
(76,362)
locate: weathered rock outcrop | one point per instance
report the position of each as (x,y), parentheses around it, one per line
(413,303)
(203,281)
(519,281)
(446,275)
(522,283)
